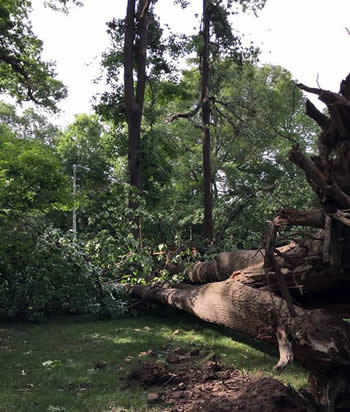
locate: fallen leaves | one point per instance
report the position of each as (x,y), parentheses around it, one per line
(52,363)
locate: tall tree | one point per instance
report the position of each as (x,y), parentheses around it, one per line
(207,194)
(135,55)
(140,50)
(216,39)
(256,113)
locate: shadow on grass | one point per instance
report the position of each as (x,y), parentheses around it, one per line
(236,349)
(79,364)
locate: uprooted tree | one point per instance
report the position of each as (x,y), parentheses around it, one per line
(283,295)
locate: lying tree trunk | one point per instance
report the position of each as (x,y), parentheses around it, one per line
(248,266)
(311,281)
(320,342)
(222,266)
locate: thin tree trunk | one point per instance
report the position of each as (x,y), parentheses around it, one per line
(208,197)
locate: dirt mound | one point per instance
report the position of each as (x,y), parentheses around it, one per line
(149,374)
(213,387)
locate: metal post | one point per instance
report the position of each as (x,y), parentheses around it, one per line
(75,166)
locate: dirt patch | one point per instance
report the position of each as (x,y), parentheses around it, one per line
(149,374)
(213,387)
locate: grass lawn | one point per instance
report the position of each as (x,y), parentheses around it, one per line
(78,363)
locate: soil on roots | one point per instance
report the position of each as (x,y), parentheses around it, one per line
(176,386)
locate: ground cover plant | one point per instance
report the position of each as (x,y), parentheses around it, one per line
(80,364)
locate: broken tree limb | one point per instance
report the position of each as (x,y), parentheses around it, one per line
(321,119)
(271,264)
(342,216)
(301,267)
(315,175)
(283,287)
(308,89)
(186,115)
(270,246)
(285,349)
(223,265)
(293,217)
(326,96)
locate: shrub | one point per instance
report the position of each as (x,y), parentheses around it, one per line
(43,271)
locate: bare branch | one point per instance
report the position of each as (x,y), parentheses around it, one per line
(319,179)
(317,80)
(327,239)
(144,10)
(285,349)
(321,119)
(326,96)
(281,134)
(186,115)
(293,217)
(342,215)
(308,89)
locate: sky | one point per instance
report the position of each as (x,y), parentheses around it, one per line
(307,37)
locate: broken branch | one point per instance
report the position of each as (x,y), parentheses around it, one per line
(186,115)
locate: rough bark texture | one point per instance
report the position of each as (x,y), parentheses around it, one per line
(223,265)
(247,266)
(136,39)
(207,180)
(320,342)
(237,306)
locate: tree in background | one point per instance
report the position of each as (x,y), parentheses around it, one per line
(30,125)
(256,120)
(215,39)
(255,116)
(89,143)
(23,73)
(32,178)
(137,47)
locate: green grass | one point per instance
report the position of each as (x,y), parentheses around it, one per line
(54,366)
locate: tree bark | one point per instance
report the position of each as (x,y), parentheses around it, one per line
(207,192)
(136,39)
(318,341)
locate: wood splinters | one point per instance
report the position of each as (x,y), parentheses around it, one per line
(285,350)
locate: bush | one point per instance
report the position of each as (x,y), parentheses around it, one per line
(113,302)
(43,271)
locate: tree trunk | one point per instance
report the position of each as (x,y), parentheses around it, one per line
(136,40)
(207,192)
(318,341)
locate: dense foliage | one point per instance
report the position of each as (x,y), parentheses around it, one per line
(23,73)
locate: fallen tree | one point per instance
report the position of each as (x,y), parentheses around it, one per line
(265,298)
(314,338)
